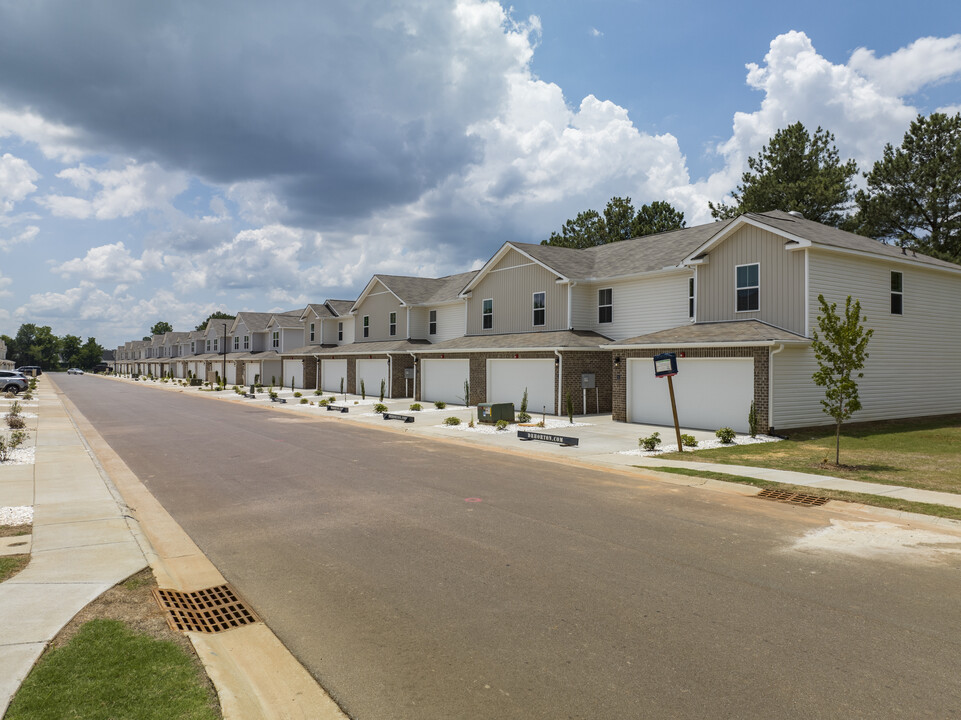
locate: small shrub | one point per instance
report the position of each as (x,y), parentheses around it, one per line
(416,407)
(18,438)
(318,391)
(650,442)
(4,450)
(16,422)
(9,395)
(541,424)
(363,390)
(298,394)
(452,421)
(752,420)
(16,408)
(342,385)
(272,393)
(383,386)
(688,441)
(440,404)
(332,398)
(725,435)
(273,380)
(471,423)
(304,401)
(501,425)
(380,408)
(323,403)
(523,417)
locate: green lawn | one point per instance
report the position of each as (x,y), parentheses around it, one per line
(924,453)
(107,672)
(10,565)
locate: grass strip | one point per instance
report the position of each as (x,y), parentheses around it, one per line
(890,503)
(107,671)
(10,565)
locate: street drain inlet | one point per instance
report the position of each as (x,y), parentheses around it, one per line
(211,610)
(792,497)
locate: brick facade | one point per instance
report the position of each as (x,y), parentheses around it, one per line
(761,357)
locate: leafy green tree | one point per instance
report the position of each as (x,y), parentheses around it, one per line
(91,354)
(840,348)
(213,316)
(913,193)
(37,346)
(796,171)
(70,346)
(161,327)
(620,221)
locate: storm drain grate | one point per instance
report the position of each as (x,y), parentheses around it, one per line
(792,497)
(211,610)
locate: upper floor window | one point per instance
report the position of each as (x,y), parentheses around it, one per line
(237,342)
(748,287)
(208,346)
(340,332)
(193,346)
(690,298)
(366,325)
(897,293)
(275,339)
(487,313)
(246,342)
(216,344)
(605,305)
(392,324)
(311,332)
(432,322)
(540,313)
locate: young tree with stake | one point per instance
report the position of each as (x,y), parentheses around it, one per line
(840,348)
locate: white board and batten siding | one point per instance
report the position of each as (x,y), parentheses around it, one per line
(710,393)
(914,363)
(331,373)
(371,372)
(443,379)
(508,378)
(640,306)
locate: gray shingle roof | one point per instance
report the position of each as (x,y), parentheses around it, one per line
(736,331)
(426,291)
(377,347)
(319,309)
(524,341)
(341,307)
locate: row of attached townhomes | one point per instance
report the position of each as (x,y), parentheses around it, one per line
(736,300)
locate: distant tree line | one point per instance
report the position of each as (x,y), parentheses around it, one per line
(912,195)
(34,345)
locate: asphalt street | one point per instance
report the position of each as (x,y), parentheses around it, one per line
(423,579)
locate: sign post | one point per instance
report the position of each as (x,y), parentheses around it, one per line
(665,365)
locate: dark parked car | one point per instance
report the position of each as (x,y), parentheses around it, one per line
(13,381)
(33,370)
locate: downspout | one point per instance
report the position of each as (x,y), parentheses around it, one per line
(317,360)
(570,305)
(770,386)
(416,399)
(560,379)
(408,322)
(390,376)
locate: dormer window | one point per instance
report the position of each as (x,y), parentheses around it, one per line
(246,342)
(237,342)
(275,339)
(748,287)
(208,346)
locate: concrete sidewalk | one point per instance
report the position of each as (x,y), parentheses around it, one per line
(87,538)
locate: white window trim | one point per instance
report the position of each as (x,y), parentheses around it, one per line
(236,342)
(599,306)
(208,346)
(692,294)
(896,292)
(312,333)
(366,325)
(748,287)
(392,324)
(246,342)
(534,310)
(431,323)
(340,332)
(275,338)
(485,314)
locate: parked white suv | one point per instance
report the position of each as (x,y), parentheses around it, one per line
(12,381)
(74,371)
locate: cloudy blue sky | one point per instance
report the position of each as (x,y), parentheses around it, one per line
(159,161)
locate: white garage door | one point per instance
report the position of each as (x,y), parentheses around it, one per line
(231,373)
(252,370)
(331,373)
(710,392)
(506,380)
(271,373)
(294,370)
(372,372)
(444,380)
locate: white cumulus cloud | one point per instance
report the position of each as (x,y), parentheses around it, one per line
(27,236)
(927,60)
(111,263)
(16,181)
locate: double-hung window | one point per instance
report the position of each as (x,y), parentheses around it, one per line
(432,322)
(487,314)
(246,342)
(392,324)
(275,339)
(311,332)
(193,347)
(897,293)
(340,332)
(605,305)
(237,342)
(748,287)
(539,309)
(208,346)
(216,344)
(366,325)
(690,298)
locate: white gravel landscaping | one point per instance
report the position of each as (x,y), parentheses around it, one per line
(21,456)
(21,515)
(484,429)
(702,445)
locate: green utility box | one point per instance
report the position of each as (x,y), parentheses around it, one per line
(492,412)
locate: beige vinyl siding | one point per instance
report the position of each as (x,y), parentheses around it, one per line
(914,363)
(450,322)
(329,332)
(781,280)
(418,323)
(641,305)
(378,304)
(511,284)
